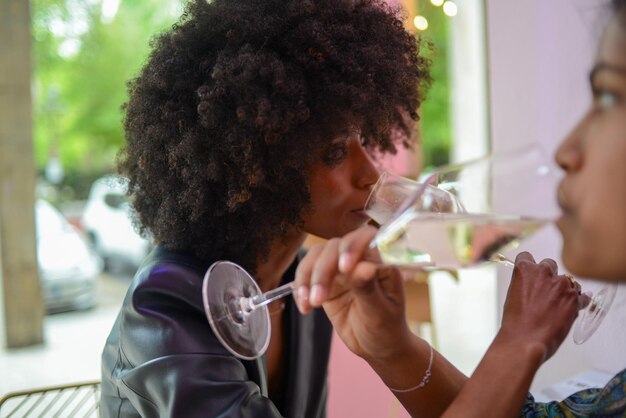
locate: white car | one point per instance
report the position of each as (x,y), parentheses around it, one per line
(106,220)
(68,267)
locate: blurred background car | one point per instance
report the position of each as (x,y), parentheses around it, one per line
(107,222)
(68,267)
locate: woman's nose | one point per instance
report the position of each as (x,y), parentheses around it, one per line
(568,155)
(367,173)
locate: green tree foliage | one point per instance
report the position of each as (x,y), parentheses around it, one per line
(435,132)
(84,55)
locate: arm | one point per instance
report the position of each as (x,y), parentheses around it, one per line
(364,300)
(539,310)
(500,383)
(194,385)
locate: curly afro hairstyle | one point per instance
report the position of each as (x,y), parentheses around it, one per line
(237,101)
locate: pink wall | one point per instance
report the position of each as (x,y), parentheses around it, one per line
(539,54)
(355,390)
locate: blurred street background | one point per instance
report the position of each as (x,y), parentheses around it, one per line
(73,343)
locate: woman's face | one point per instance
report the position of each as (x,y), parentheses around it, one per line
(593,193)
(340,187)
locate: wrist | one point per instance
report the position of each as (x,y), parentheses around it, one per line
(527,348)
(403,346)
(410,363)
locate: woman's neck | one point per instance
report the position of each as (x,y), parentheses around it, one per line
(282,253)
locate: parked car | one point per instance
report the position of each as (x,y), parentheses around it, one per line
(106,220)
(68,267)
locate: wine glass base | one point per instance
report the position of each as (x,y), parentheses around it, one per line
(245,334)
(591,317)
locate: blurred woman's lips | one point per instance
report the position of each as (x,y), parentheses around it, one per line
(563,207)
(562,200)
(565,217)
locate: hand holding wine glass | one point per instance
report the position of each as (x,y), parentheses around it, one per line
(538,291)
(354,283)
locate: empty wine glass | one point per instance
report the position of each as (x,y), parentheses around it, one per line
(448,220)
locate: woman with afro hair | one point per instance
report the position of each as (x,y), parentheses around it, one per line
(252,124)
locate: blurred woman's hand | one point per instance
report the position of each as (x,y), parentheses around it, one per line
(541,305)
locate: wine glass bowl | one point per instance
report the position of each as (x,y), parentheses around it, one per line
(448,221)
(390,192)
(602,295)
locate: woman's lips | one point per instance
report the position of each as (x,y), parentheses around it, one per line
(566,209)
(562,201)
(360,213)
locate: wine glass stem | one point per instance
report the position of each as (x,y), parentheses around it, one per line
(270,296)
(251,304)
(499,258)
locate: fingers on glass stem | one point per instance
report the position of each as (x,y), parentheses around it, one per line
(302,299)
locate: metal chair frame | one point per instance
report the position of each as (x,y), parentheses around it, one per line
(72,400)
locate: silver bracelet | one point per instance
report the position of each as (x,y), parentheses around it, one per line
(425,379)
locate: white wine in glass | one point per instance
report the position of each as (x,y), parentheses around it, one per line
(453,241)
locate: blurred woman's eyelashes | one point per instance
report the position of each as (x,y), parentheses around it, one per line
(337,150)
(608,85)
(605,99)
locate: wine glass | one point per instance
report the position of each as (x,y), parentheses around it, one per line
(448,222)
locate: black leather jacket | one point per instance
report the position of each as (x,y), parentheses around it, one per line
(163,360)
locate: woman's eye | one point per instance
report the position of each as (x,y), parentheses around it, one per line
(605,99)
(363,140)
(335,154)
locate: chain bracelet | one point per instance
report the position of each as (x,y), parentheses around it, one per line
(425,379)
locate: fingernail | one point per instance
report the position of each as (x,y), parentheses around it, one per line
(302,299)
(317,293)
(303,293)
(345,262)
